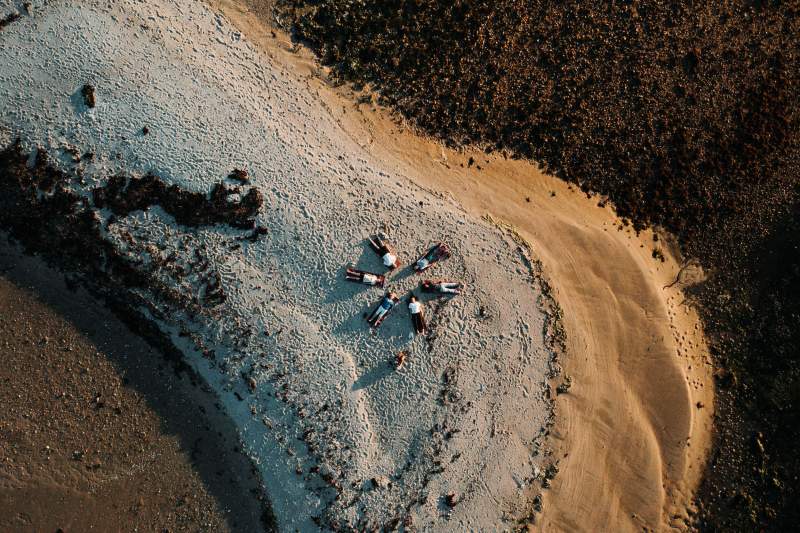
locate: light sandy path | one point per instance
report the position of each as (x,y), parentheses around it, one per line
(633,432)
(341,438)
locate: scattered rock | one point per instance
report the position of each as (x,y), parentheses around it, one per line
(537,503)
(565,385)
(5,21)
(451,499)
(239,175)
(725,378)
(381,482)
(89,97)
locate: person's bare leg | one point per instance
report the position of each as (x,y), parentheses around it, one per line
(377,245)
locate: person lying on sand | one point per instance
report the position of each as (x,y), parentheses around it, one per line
(382,311)
(367,278)
(442,286)
(417,315)
(385,252)
(437,252)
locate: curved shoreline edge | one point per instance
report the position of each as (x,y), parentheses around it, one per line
(622,326)
(633,433)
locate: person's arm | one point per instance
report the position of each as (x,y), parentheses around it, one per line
(374,245)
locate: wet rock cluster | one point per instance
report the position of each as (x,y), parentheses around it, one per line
(8,19)
(683,115)
(124,194)
(89,96)
(41,210)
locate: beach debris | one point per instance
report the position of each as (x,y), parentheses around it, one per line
(451,499)
(145,130)
(89,97)
(564,387)
(400,359)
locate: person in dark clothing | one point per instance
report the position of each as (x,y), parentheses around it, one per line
(385,252)
(380,313)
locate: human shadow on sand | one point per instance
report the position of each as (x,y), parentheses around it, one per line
(372,376)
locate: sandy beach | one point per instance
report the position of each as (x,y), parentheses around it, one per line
(633,433)
(618,408)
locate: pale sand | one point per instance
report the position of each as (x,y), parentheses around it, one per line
(633,433)
(212,102)
(342,439)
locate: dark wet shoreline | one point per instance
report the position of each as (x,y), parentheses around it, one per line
(195,443)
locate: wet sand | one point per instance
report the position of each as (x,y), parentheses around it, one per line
(98,432)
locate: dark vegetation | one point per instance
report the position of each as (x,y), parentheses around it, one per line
(684,115)
(123,194)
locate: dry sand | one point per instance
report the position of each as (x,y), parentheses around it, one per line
(633,433)
(331,174)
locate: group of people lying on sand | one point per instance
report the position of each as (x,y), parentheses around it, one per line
(390,259)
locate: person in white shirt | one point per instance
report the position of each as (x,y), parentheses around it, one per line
(362,276)
(417,315)
(442,287)
(385,252)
